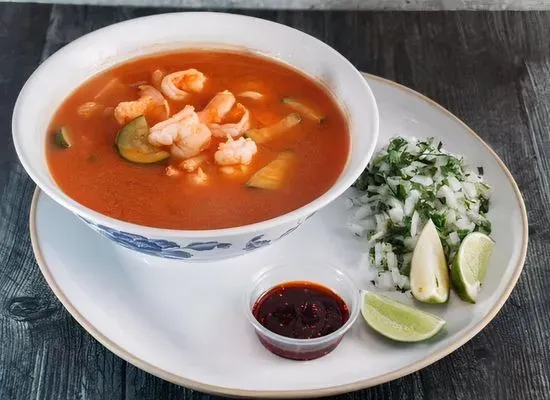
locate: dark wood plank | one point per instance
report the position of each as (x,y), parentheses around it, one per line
(490,69)
(44,354)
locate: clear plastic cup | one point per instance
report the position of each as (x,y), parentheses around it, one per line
(325,275)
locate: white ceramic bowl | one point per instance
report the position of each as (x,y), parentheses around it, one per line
(67,69)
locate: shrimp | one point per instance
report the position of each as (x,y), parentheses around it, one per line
(191,141)
(171,171)
(176,85)
(199,177)
(219,107)
(233,152)
(191,164)
(164,133)
(158,98)
(128,110)
(156,77)
(149,98)
(233,129)
(183,132)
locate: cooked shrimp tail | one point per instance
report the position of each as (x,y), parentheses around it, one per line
(177,85)
(217,108)
(233,129)
(158,98)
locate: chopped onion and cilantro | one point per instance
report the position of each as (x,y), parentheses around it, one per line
(406,184)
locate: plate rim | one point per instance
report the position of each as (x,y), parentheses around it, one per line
(301,393)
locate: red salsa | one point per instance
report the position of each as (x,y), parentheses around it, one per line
(300,310)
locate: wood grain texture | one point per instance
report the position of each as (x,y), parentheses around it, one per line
(400,5)
(491,69)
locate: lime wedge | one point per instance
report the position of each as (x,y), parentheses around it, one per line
(398,321)
(429,273)
(470,265)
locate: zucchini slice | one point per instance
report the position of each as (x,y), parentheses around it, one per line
(303,109)
(267,133)
(132,143)
(62,138)
(273,174)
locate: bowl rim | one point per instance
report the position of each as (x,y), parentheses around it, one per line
(354,306)
(100,219)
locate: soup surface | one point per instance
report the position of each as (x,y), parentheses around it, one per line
(269,140)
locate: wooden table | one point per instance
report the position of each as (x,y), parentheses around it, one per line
(394,5)
(490,69)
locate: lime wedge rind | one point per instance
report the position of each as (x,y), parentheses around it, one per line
(398,321)
(470,265)
(464,291)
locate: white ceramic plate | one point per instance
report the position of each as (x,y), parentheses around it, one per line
(185,323)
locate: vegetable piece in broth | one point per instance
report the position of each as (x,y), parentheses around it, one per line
(273,174)
(62,139)
(303,109)
(133,145)
(268,133)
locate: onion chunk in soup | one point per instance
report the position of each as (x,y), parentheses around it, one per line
(197,140)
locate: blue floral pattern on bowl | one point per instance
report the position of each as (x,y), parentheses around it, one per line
(173,250)
(256,242)
(156,247)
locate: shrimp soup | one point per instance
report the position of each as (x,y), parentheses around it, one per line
(197,140)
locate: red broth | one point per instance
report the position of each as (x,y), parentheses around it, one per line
(93,173)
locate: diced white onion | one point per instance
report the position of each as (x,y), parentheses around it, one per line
(454,184)
(393,181)
(408,171)
(450,198)
(378,254)
(470,189)
(422,180)
(380,222)
(387,247)
(385,281)
(438,177)
(410,201)
(464,223)
(440,162)
(376,236)
(414,223)
(396,215)
(391,259)
(384,167)
(251,95)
